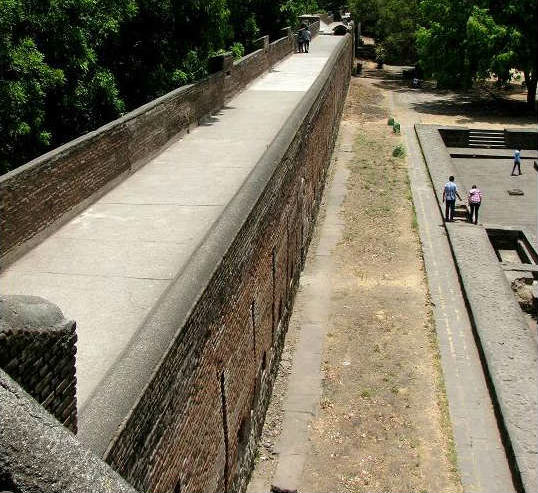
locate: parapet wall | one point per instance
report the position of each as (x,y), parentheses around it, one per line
(196,424)
(40,196)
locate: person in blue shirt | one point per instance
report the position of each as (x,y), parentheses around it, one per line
(517,162)
(450,192)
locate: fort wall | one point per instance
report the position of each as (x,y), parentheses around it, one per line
(195,426)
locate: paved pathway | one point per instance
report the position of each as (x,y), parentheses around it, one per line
(481,458)
(107,267)
(304,385)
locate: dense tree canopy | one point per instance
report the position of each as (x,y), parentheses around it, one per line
(393,23)
(461,41)
(68,66)
(457,42)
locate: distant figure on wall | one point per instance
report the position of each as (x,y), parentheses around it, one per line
(474,199)
(301,38)
(450,192)
(308,37)
(517,162)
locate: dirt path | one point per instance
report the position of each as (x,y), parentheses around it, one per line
(382,424)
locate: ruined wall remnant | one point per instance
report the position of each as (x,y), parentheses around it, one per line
(37,349)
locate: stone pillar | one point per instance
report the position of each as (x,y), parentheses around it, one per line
(286,32)
(37,350)
(262,43)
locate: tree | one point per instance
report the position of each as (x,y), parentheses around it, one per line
(393,23)
(520,51)
(366,12)
(462,41)
(441,42)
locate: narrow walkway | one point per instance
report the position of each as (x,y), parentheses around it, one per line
(481,458)
(304,386)
(108,267)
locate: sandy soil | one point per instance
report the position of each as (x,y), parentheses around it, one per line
(383,423)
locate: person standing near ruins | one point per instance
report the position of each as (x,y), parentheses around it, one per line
(308,37)
(450,192)
(474,199)
(517,162)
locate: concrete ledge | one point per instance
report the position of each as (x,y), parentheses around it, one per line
(505,341)
(38,454)
(502,334)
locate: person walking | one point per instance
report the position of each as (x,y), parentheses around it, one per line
(450,192)
(307,39)
(517,162)
(474,199)
(301,38)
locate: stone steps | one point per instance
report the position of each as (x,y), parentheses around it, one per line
(487,139)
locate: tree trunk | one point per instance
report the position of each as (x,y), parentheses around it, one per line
(530,82)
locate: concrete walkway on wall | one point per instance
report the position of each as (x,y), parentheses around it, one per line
(108,267)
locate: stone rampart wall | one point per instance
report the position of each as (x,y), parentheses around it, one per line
(196,424)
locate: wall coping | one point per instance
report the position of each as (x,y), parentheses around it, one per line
(170,315)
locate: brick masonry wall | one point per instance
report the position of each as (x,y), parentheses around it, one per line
(37,350)
(40,196)
(196,426)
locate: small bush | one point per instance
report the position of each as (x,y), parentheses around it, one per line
(396,128)
(238,50)
(391,121)
(399,151)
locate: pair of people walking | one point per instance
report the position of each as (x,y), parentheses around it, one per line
(474,199)
(304,36)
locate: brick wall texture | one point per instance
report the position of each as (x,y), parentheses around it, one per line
(196,426)
(41,359)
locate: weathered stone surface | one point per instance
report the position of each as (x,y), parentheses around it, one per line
(29,313)
(37,454)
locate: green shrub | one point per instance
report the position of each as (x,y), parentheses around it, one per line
(391,121)
(399,151)
(237,50)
